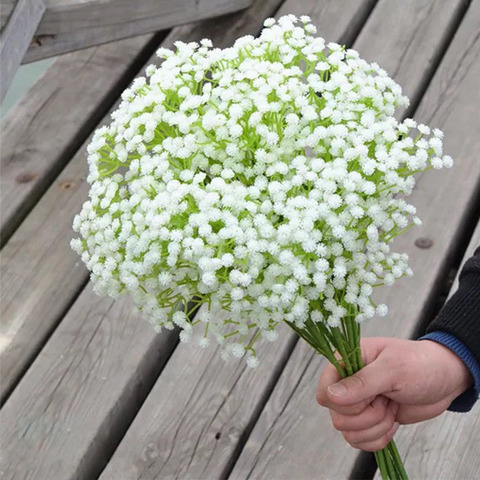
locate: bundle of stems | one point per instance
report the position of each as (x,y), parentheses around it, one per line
(341,346)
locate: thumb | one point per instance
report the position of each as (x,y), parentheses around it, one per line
(366,384)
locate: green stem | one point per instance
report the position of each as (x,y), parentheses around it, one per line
(392,474)
(398,461)
(380,458)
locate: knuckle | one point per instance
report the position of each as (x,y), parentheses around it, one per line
(321,398)
(359,446)
(385,414)
(378,415)
(358,380)
(349,437)
(337,421)
(357,409)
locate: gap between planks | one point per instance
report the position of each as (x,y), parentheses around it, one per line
(105,429)
(37,259)
(444,447)
(304,424)
(58,113)
(209,432)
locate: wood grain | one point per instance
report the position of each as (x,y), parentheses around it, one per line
(336,20)
(42,132)
(72,25)
(15,38)
(196,415)
(443,200)
(419,32)
(170,440)
(447,446)
(62,420)
(42,278)
(40,275)
(6,8)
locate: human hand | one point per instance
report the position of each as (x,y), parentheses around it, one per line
(403,381)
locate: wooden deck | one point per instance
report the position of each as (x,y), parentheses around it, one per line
(89,391)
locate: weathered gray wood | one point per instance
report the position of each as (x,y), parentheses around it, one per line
(291,421)
(27,316)
(172,440)
(52,218)
(40,275)
(49,124)
(340,25)
(15,38)
(447,446)
(6,8)
(293,438)
(63,419)
(418,32)
(71,25)
(195,417)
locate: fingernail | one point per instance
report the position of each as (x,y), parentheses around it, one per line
(337,389)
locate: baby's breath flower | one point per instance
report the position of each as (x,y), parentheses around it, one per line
(264,179)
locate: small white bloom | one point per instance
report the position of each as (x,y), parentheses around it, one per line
(253,362)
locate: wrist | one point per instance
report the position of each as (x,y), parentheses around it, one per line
(453,368)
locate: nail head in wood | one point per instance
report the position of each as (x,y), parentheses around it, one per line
(67,185)
(423,242)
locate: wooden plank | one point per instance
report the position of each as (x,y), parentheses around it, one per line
(71,25)
(6,8)
(40,275)
(63,420)
(27,320)
(343,27)
(291,421)
(411,56)
(53,216)
(196,415)
(169,439)
(42,132)
(37,259)
(15,38)
(447,446)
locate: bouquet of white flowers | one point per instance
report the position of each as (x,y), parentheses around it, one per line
(265,179)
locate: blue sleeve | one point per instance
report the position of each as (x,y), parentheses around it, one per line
(465,401)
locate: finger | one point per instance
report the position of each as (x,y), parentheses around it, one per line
(372,380)
(372,415)
(378,444)
(328,377)
(418,413)
(376,432)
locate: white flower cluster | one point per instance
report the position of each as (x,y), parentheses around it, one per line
(265,180)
